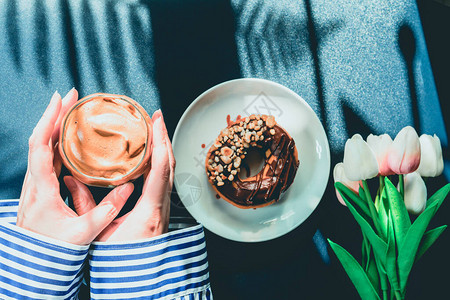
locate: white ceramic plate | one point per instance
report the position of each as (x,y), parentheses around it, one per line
(202,122)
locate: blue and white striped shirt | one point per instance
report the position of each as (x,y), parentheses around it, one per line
(170,266)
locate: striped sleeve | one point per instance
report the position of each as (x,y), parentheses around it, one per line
(8,210)
(170,266)
(33,266)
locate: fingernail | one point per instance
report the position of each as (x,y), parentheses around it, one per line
(53,100)
(72,90)
(55,95)
(157,114)
(157,125)
(162,123)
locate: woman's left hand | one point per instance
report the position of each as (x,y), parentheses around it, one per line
(41,208)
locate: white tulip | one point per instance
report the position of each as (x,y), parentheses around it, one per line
(431,162)
(415,193)
(339,176)
(404,156)
(381,145)
(360,162)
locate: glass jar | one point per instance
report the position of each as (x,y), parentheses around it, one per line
(105,140)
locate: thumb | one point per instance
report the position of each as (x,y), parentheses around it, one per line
(82,197)
(103,214)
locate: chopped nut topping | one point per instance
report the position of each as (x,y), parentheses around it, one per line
(248,136)
(237,162)
(226,159)
(270,121)
(229,149)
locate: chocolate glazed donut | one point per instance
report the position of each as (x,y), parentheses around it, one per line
(223,162)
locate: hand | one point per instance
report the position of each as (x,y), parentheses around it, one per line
(41,208)
(150,216)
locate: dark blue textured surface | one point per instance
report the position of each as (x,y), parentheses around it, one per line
(362,67)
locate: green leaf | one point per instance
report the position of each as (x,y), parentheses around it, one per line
(362,194)
(369,265)
(400,216)
(355,272)
(428,239)
(372,272)
(372,209)
(391,256)
(408,250)
(439,196)
(378,245)
(382,213)
(348,194)
(382,274)
(365,255)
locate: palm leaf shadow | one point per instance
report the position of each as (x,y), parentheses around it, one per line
(12,28)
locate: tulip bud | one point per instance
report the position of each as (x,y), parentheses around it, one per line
(404,156)
(381,145)
(360,162)
(415,193)
(339,176)
(431,162)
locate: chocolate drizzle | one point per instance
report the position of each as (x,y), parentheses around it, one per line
(223,163)
(275,178)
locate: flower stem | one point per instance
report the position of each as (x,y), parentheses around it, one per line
(401,184)
(398,295)
(372,209)
(385,295)
(381,183)
(379,191)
